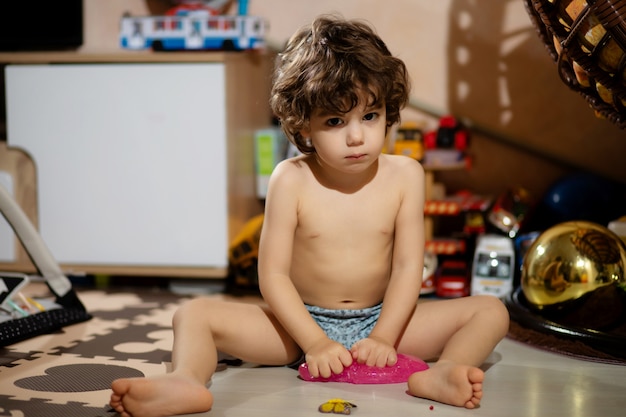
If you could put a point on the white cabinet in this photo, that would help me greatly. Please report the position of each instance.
(141, 167)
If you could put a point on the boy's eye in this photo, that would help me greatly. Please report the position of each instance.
(334, 121)
(370, 116)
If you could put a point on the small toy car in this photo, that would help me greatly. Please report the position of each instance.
(410, 141)
(453, 279)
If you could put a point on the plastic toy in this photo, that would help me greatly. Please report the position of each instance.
(243, 257)
(409, 141)
(453, 279)
(450, 135)
(193, 28)
(510, 209)
(494, 266)
(446, 146)
(336, 406)
(452, 205)
(363, 374)
(474, 223)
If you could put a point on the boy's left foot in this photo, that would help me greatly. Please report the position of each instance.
(449, 383)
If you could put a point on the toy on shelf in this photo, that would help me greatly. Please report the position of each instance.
(453, 279)
(409, 141)
(450, 135)
(363, 374)
(454, 204)
(270, 147)
(447, 145)
(194, 27)
(493, 267)
(474, 223)
(510, 210)
(445, 246)
(473, 206)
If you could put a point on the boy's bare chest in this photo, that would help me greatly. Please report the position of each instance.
(343, 217)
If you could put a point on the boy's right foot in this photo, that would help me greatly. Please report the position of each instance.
(161, 396)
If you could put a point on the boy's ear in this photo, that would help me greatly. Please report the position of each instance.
(305, 133)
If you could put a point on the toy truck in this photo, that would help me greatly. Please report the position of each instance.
(193, 28)
(493, 266)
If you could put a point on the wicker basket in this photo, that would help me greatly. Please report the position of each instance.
(587, 40)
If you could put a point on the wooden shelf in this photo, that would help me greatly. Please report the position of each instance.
(429, 170)
(445, 246)
(446, 167)
(246, 88)
(121, 56)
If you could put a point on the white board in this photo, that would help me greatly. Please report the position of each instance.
(130, 158)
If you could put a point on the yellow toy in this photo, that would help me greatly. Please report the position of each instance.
(336, 406)
(243, 257)
(410, 141)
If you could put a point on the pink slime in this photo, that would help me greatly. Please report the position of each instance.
(363, 374)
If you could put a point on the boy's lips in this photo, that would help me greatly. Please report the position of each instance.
(356, 156)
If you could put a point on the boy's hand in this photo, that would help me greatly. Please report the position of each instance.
(374, 352)
(327, 357)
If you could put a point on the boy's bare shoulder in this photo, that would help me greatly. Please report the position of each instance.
(403, 164)
(291, 171)
(293, 165)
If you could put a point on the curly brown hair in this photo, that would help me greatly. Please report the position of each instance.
(327, 66)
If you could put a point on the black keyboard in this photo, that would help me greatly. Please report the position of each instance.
(16, 330)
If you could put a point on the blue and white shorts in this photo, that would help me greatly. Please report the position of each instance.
(346, 326)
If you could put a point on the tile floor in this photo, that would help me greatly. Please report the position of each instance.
(521, 381)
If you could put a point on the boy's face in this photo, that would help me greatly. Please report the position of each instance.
(348, 142)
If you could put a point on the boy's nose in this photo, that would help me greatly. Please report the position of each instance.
(355, 136)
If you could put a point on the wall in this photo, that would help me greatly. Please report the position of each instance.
(480, 60)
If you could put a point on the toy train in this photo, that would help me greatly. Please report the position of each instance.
(193, 32)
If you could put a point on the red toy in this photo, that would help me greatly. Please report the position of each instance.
(450, 135)
(453, 279)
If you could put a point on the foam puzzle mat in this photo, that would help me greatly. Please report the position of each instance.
(69, 373)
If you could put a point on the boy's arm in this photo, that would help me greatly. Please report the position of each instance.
(275, 252)
(406, 274)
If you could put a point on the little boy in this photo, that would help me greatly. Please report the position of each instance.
(342, 246)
